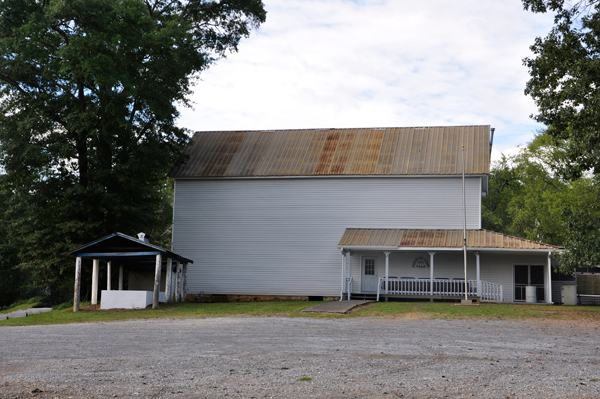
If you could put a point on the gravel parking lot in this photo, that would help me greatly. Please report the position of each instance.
(301, 358)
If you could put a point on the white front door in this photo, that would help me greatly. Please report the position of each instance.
(368, 279)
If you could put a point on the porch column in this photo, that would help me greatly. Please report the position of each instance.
(77, 287)
(156, 296)
(349, 266)
(343, 274)
(184, 282)
(108, 276)
(168, 287)
(477, 266)
(387, 271)
(548, 284)
(95, 267)
(431, 274)
(120, 277)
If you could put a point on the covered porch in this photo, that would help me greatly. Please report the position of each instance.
(403, 263)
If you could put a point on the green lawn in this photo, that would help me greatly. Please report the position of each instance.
(390, 310)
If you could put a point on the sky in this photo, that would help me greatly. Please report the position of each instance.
(377, 63)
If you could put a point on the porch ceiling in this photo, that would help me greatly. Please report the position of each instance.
(414, 239)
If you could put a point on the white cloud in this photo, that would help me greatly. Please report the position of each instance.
(334, 63)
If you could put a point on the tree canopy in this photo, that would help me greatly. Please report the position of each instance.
(528, 198)
(89, 91)
(565, 80)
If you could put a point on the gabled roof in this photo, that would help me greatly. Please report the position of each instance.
(338, 152)
(411, 239)
(126, 250)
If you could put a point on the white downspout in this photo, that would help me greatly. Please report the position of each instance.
(343, 274)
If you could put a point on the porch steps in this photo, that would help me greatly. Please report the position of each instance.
(365, 297)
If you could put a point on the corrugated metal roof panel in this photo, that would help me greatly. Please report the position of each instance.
(437, 239)
(352, 152)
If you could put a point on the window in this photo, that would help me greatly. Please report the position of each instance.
(369, 267)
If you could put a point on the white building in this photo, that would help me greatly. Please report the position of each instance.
(324, 212)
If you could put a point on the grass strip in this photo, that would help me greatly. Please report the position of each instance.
(389, 310)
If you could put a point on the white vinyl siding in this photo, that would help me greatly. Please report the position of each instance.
(280, 236)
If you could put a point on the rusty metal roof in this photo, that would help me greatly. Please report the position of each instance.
(415, 238)
(330, 152)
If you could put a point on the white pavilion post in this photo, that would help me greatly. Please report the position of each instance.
(108, 276)
(96, 266)
(77, 287)
(156, 296)
(431, 274)
(121, 278)
(180, 282)
(168, 282)
(177, 279)
(184, 282)
(478, 270)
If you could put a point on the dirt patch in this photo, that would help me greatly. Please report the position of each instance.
(96, 308)
(578, 323)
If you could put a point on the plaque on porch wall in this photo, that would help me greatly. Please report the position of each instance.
(420, 262)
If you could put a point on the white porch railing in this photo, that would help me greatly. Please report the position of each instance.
(490, 292)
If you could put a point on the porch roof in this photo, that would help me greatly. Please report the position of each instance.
(126, 250)
(417, 239)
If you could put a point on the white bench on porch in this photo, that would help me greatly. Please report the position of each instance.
(488, 292)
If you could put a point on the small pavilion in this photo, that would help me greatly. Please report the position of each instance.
(132, 254)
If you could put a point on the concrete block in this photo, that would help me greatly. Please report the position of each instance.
(3, 316)
(37, 311)
(128, 299)
(16, 314)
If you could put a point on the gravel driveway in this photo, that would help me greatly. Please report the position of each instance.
(301, 358)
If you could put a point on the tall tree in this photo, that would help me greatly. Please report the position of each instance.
(88, 97)
(529, 199)
(565, 80)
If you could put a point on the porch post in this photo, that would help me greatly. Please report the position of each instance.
(548, 284)
(387, 272)
(477, 265)
(168, 287)
(108, 276)
(431, 274)
(120, 277)
(349, 266)
(77, 284)
(156, 296)
(184, 282)
(95, 267)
